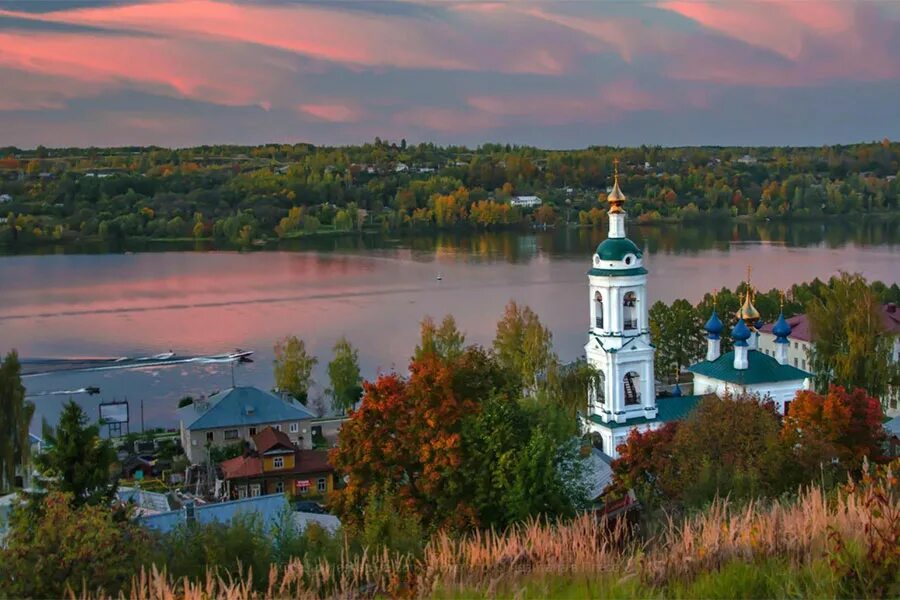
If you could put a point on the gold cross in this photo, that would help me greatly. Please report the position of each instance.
(616, 168)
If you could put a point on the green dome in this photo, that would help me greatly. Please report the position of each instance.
(617, 248)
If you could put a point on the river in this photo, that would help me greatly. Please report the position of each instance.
(372, 289)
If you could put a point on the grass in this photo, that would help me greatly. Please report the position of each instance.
(813, 546)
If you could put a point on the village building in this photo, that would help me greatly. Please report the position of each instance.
(277, 466)
(525, 201)
(237, 414)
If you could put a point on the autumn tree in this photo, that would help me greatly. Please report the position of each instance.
(852, 347)
(644, 464)
(343, 372)
(15, 418)
(841, 425)
(523, 345)
(677, 334)
(444, 341)
(66, 546)
(293, 367)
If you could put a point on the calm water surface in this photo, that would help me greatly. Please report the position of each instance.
(373, 290)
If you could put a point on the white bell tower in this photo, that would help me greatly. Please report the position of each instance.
(619, 337)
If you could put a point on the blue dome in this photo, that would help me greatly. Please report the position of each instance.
(714, 326)
(781, 329)
(759, 324)
(740, 334)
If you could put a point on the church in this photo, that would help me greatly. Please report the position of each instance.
(620, 349)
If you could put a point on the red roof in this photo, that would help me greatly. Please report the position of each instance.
(269, 438)
(305, 461)
(800, 329)
(241, 466)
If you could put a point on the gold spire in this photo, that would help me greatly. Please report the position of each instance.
(616, 197)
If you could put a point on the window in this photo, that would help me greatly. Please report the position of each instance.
(629, 304)
(231, 434)
(795, 345)
(252, 431)
(598, 310)
(303, 486)
(276, 427)
(278, 462)
(254, 490)
(600, 388)
(795, 361)
(209, 436)
(242, 491)
(295, 427)
(803, 363)
(279, 487)
(632, 388)
(322, 485)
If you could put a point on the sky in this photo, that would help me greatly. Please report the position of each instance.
(555, 74)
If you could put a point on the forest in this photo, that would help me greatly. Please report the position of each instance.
(240, 195)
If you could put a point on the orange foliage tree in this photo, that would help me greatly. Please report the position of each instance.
(838, 425)
(405, 439)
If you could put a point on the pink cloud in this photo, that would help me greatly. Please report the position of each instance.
(329, 34)
(332, 112)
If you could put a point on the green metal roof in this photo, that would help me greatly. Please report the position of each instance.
(617, 248)
(618, 272)
(761, 369)
(672, 408)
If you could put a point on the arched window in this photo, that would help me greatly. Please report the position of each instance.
(632, 383)
(599, 388)
(598, 310)
(597, 441)
(629, 306)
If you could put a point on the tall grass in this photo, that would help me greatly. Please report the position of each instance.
(845, 544)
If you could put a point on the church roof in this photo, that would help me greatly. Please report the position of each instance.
(668, 409)
(618, 272)
(761, 369)
(617, 248)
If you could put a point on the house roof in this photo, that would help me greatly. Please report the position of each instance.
(668, 409)
(268, 507)
(801, 330)
(893, 427)
(270, 438)
(760, 369)
(241, 406)
(305, 462)
(597, 473)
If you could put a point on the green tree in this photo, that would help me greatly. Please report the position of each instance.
(67, 547)
(677, 334)
(446, 342)
(15, 418)
(343, 371)
(293, 367)
(523, 345)
(851, 348)
(548, 478)
(78, 462)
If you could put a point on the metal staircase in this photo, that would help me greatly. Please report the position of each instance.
(631, 393)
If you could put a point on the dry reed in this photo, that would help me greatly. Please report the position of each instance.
(795, 532)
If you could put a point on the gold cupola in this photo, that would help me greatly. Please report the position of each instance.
(747, 312)
(616, 197)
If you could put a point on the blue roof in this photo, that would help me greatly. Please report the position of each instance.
(268, 507)
(740, 333)
(782, 328)
(242, 406)
(714, 326)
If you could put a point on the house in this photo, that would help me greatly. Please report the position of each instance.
(526, 201)
(747, 160)
(892, 428)
(5, 198)
(237, 414)
(401, 168)
(146, 503)
(798, 350)
(277, 467)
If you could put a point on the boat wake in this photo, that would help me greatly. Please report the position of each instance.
(45, 366)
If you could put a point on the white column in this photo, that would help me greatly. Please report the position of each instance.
(781, 353)
(617, 225)
(593, 305)
(648, 394)
(713, 349)
(740, 357)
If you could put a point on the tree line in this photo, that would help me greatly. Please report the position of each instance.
(239, 195)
